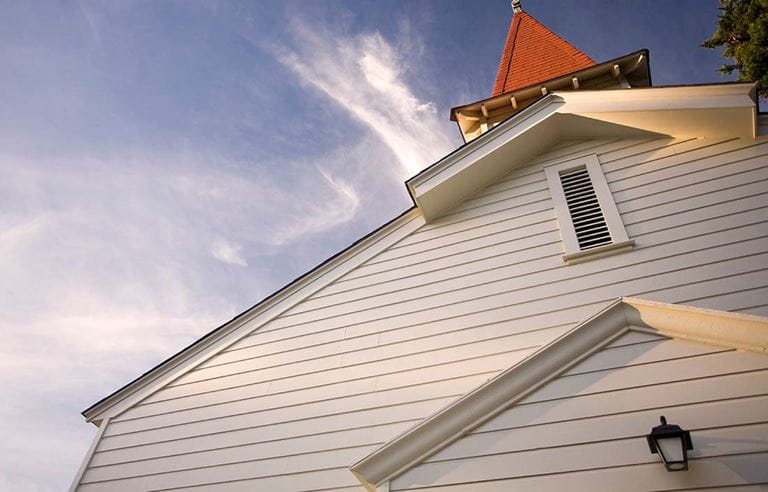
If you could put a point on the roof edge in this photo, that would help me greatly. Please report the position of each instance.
(553, 81)
(719, 328)
(294, 287)
(658, 110)
(454, 163)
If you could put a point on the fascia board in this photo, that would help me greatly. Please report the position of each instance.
(628, 63)
(720, 328)
(714, 111)
(444, 184)
(252, 319)
(704, 111)
(662, 98)
(466, 156)
(728, 122)
(619, 104)
(723, 329)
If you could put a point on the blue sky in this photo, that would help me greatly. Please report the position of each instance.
(164, 165)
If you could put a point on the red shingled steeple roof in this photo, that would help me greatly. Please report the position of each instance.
(534, 54)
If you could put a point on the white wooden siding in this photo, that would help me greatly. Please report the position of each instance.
(305, 395)
(595, 416)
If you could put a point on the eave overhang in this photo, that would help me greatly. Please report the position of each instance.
(718, 328)
(633, 67)
(717, 110)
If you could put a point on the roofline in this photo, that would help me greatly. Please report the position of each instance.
(521, 115)
(273, 299)
(643, 51)
(719, 328)
(717, 88)
(615, 107)
(619, 90)
(202, 342)
(672, 86)
(198, 344)
(451, 166)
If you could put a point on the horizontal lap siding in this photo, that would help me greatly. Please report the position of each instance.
(596, 416)
(632, 450)
(439, 313)
(710, 474)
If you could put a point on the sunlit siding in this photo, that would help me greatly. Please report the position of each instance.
(291, 406)
(586, 429)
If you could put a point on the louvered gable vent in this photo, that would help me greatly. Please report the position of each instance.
(590, 225)
(588, 220)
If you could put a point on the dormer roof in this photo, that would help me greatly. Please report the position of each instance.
(532, 53)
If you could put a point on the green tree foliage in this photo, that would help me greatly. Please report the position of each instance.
(742, 28)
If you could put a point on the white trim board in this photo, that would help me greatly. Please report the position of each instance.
(88, 455)
(719, 328)
(717, 111)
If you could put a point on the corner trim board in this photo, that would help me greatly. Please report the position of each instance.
(88, 455)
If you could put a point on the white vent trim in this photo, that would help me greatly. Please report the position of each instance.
(579, 186)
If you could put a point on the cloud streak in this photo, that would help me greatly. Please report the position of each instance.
(115, 257)
(228, 253)
(341, 207)
(367, 76)
(115, 263)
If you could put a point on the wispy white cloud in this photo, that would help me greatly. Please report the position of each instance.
(115, 263)
(15, 236)
(341, 207)
(228, 253)
(368, 77)
(110, 262)
(89, 16)
(55, 363)
(255, 209)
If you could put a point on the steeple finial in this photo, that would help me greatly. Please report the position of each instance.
(516, 7)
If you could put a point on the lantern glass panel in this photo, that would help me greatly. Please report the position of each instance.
(671, 448)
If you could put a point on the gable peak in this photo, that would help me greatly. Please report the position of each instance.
(532, 53)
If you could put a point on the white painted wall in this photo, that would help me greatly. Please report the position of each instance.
(586, 429)
(291, 406)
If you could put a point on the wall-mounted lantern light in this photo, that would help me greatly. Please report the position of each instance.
(671, 443)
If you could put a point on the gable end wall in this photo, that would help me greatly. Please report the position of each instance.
(292, 405)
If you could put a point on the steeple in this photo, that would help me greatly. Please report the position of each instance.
(532, 53)
(537, 62)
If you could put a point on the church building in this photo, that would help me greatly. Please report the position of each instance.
(576, 301)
